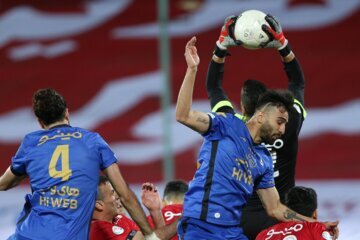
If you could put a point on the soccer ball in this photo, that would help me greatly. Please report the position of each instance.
(248, 29)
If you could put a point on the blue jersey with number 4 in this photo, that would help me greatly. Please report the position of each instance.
(231, 166)
(63, 166)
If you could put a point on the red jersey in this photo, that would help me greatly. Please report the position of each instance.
(170, 214)
(295, 231)
(122, 228)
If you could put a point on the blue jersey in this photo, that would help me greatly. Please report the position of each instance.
(231, 166)
(63, 166)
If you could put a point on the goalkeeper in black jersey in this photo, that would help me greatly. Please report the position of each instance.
(284, 150)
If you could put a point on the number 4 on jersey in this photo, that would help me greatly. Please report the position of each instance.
(61, 152)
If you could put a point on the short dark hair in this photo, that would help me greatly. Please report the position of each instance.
(49, 106)
(176, 188)
(276, 98)
(102, 181)
(302, 200)
(251, 91)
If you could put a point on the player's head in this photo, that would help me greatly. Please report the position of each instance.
(271, 113)
(105, 206)
(250, 93)
(174, 192)
(302, 200)
(49, 107)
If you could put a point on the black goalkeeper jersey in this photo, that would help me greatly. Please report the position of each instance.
(283, 151)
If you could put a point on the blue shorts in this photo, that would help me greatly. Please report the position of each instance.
(192, 228)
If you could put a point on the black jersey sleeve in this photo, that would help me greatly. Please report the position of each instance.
(296, 82)
(217, 96)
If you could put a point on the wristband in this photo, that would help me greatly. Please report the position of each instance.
(285, 50)
(220, 53)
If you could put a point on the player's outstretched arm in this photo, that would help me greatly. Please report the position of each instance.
(198, 121)
(9, 180)
(292, 67)
(274, 208)
(218, 100)
(150, 198)
(128, 198)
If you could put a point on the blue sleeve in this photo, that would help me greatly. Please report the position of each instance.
(18, 162)
(107, 156)
(267, 180)
(218, 126)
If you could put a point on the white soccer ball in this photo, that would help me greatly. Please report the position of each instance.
(248, 29)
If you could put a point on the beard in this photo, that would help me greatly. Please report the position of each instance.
(266, 134)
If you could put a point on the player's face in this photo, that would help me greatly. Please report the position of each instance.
(120, 208)
(109, 200)
(274, 124)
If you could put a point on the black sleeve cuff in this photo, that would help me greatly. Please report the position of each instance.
(15, 172)
(285, 51)
(220, 53)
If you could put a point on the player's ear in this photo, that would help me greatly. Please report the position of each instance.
(260, 117)
(315, 215)
(99, 205)
(67, 115)
(42, 125)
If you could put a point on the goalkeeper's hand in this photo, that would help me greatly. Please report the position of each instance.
(227, 38)
(275, 33)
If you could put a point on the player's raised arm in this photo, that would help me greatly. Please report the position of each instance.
(217, 96)
(291, 65)
(150, 198)
(198, 121)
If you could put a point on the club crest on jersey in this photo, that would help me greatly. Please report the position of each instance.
(117, 230)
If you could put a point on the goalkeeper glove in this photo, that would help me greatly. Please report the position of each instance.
(226, 38)
(276, 36)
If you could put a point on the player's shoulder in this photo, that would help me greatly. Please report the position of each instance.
(87, 134)
(173, 208)
(98, 224)
(319, 230)
(33, 137)
(316, 225)
(299, 109)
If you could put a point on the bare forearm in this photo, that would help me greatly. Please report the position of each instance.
(167, 231)
(8, 180)
(157, 218)
(184, 101)
(285, 214)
